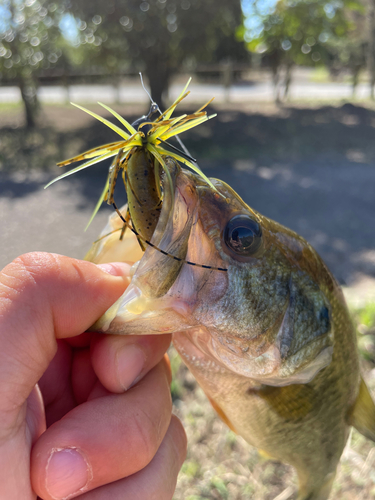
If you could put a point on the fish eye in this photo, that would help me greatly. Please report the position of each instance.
(243, 235)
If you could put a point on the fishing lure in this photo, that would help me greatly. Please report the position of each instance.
(144, 140)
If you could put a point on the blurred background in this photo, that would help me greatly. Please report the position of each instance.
(293, 82)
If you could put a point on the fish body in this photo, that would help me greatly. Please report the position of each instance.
(270, 339)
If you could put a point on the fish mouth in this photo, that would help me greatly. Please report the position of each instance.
(163, 289)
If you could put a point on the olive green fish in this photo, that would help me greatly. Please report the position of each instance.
(270, 339)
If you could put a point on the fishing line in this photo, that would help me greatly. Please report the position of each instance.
(185, 152)
(159, 249)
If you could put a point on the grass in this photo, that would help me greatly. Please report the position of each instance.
(320, 75)
(364, 318)
(5, 107)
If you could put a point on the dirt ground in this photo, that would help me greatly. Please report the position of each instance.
(310, 167)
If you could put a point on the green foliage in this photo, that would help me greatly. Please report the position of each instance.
(176, 386)
(191, 468)
(248, 490)
(30, 41)
(312, 32)
(158, 37)
(364, 318)
(231, 439)
(29, 33)
(301, 31)
(220, 486)
(366, 315)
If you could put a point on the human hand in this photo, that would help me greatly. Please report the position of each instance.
(82, 434)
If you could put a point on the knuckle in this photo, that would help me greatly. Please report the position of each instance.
(35, 264)
(29, 268)
(17, 276)
(22, 295)
(26, 272)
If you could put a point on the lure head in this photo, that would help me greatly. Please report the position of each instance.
(266, 317)
(144, 124)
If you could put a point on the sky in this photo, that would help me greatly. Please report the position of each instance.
(4, 17)
(253, 11)
(68, 27)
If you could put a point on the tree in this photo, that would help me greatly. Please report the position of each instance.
(306, 32)
(30, 41)
(348, 54)
(159, 37)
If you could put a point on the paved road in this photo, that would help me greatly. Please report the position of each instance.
(326, 203)
(52, 220)
(133, 92)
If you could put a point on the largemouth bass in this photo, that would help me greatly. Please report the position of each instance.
(269, 338)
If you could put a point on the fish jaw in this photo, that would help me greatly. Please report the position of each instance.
(201, 351)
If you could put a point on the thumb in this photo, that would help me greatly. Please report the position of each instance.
(44, 297)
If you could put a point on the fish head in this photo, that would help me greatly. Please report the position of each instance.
(238, 290)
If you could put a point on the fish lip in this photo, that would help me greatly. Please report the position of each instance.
(133, 314)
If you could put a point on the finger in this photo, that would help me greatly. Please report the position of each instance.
(120, 361)
(55, 384)
(83, 377)
(55, 379)
(99, 390)
(158, 479)
(103, 440)
(68, 381)
(44, 297)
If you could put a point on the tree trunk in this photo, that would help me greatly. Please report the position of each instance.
(227, 78)
(276, 83)
(275, 65)
(158, 73)
(287, 80)
(356, 70)
(30, 100)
